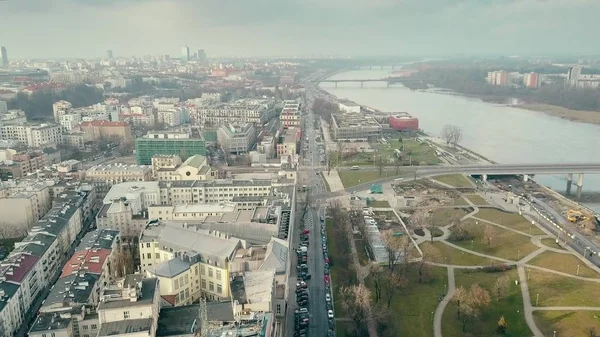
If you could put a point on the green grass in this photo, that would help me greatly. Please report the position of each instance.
(336, 269)
(551, 242)
(566, 263)
(353, 178)
(567, 323)
(557, 290)
(512, 220)
(505, 244)
(444, 216)
(455, 180)
(476, 199)
(442, 253)
(421, 153)
(412, 307)
(460, 201)
(510, 306)
(379, 204)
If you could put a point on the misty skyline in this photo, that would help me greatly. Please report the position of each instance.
(87, 28)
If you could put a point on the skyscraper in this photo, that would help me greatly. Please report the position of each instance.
(109, 54)
(185, 52)
(4, 57)
(201, 55)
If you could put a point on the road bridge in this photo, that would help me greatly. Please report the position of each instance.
(487, 170)
(387, 80)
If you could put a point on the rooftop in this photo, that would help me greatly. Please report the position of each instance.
(211, 245)
(16, 266)
(7, 290)
(89, 261)
(130, 190)
(104, 123)
(98, 239)
(170, 268)
(195, 161)
(50, 321)
(252, 287)
(113, 295)
(123, 327)
(277, 255)
(118, 167)
(76, 289)
(355, 120)
(214, 183)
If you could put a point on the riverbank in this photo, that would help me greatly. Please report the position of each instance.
(583, 116)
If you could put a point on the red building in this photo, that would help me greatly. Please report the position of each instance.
(401, 122)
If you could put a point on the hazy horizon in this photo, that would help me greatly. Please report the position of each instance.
(88, 28)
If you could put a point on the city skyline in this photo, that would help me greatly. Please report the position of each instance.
(288, 28)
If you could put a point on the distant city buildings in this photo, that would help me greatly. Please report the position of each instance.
(500, 78)
(33, 135)
(185, 53)
(109, 54)
(576, 79)
(255, 111)
(102, 129)
(532, 80)
(4, 57)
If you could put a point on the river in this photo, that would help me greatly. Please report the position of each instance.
(500, 133)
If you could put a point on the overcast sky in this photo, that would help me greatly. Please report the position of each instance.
(87, 28)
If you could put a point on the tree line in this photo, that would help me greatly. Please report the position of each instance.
(472, 82)
(38, 105)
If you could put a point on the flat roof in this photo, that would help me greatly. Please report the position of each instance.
(149, 288)
(252, 287)
(177, 321)
(118, 167)
(123, 327)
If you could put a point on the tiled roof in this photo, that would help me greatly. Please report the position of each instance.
(16, 267)
(90, 261)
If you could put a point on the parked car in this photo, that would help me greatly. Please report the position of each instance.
(330, 314)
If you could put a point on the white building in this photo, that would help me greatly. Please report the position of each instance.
(3, 107)
(349, 107)
(60, 108)
(70, 120)
(237, 139)
(33, 135)
(170, 117)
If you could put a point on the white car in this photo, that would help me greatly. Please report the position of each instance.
(327, 297)
(304, 311)
(330, 314)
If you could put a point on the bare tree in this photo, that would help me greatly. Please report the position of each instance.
(380, 162)
(451, 134)
(429, 255)
(488, 235)
(11, 230)
(305, 204)
(376, 273)
(398, 164)
(457, 135)
(393, 283)
(356, 301)
(501, 287)
(470, 303)
(392, 246)
(123, 263)
(446, 134)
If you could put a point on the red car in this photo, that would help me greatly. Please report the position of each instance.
(327, 260)
(326, 278)
(306, 231)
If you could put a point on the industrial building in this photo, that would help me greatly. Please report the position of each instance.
(168, 143)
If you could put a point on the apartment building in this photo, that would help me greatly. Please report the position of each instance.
(103, 176)
(61, 108)
(288, 142)
(36, 260)
(355, 127)
(500, 77)
(74, 139)
(348, 106)
(23, 163)
(170, 117)
(167, 143)
(102, 129)
(138, 119)
(290, 114)
(237, 138)
(69, 121)
(33, 135)
(201, 260)
(194, 168)
(215, 191)
(242, 111)
(12, 117)
(119, 215)
(3, 107)
(23, 204)
(130, 307)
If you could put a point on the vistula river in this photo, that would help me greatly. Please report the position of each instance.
(501, 133)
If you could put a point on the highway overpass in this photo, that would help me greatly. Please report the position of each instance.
(484, 171)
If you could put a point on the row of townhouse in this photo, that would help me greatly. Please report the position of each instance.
(35, 262)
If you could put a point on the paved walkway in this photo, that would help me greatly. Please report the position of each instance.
(522, 267)
(333, 180)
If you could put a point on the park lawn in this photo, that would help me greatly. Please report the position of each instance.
(558, 290)
(443, 216)
(436, 232)
(510, 306)
(476, 199)
(379, 204)
(455, 180)
(442, 253)
(413, 307)
(335, 270)
(460, 201)
(505, 244)
(566, 263)
(551, 242)
(567, 323)
(353, 178)
(421, 153)
(511, 220)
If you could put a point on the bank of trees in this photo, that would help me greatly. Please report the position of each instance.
(452, 134)
(471, 81)
(38, 105)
